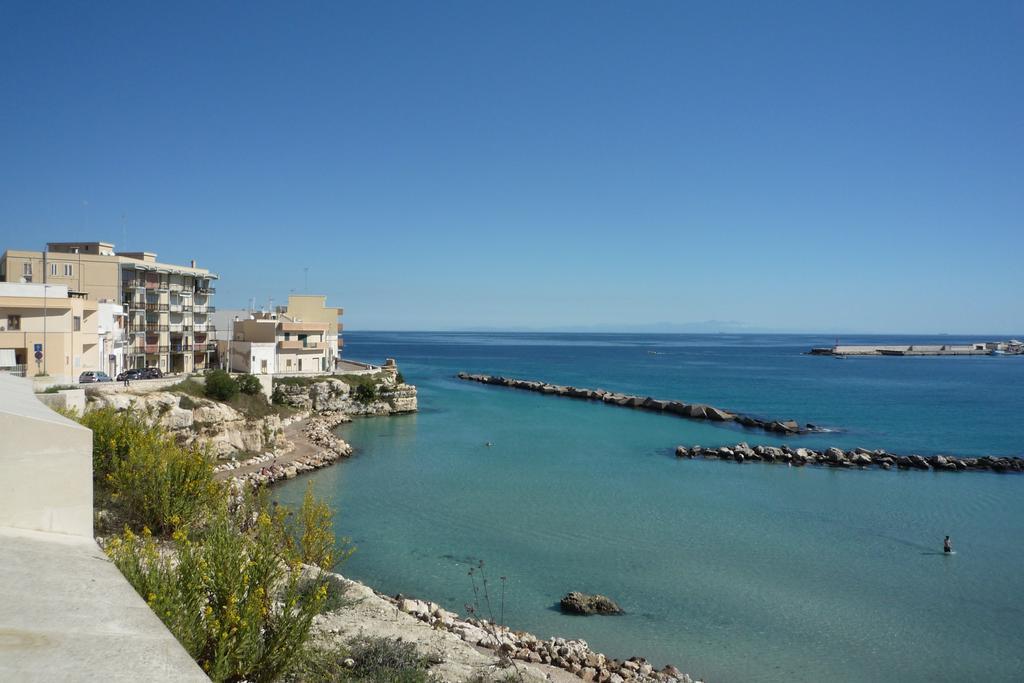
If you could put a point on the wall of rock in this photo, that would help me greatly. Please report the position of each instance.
(335, 395)
(227, 430)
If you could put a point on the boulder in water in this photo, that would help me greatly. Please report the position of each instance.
(583, 603)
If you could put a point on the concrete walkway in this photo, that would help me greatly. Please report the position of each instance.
(67, 614)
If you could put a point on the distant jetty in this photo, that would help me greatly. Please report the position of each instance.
(1012, 347)
(856, 458)
(693, 411)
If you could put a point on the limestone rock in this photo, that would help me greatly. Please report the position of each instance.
(583, 603)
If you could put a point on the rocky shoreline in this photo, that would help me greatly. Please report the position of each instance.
(857, 457)
(318, 431)
(693, 411)
(520, 651)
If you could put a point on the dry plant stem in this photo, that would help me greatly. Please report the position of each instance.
(489, 626)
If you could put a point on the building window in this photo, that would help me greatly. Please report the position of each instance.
(26, 268)
(69, 270)
(289, 362)
(53, 269)
(14, 322)
(300, 365)
(78, 323)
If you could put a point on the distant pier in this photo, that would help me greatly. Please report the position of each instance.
(1003, 348)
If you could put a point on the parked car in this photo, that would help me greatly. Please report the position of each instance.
(151, 373)
(93, 376)
(133, 373)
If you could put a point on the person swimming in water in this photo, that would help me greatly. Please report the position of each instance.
(947, 545)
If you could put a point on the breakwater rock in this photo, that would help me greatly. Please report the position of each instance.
(572, 655)
(858, 457)
(693, 411)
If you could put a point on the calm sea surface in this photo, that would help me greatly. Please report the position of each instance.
(733, 572)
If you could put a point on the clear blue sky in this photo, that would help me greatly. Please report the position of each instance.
(819, 166)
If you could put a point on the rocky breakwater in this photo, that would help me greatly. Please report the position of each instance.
(191, 419)
(572, 655)
(693, 411)
(856, 458)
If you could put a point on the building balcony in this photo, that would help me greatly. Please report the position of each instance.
(176, 308)
(181, 348)
(156, 308)
(296, 345)
(199, 327)
(152, 329)
(152, 285)
(202, 289)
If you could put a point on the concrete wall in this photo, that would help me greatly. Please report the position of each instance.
(65, 399)
(46, 463)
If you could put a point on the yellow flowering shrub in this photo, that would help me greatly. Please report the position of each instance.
(225, 593)
(143, 472)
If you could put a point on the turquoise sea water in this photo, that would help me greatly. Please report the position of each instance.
(747, 572)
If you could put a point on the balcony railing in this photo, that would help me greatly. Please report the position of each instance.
(154, 308)
(156, 328)
(205, 290)
(298, 345)
(200, 327)
(181, 348)
(152, 284)
(176, 308)
(199, 308)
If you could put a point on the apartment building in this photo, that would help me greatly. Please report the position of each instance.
(272, 343)
(314, 309)
(47, 330)
(166, 307)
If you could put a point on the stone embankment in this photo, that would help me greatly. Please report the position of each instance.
(574, 656)
(693, 411)
(858, 457)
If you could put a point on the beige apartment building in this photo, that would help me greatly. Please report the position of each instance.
(167, 307)
(51, 322)
(313, 308)
(271, 343)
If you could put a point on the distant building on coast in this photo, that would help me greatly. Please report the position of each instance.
(165, 308)
(275, 343)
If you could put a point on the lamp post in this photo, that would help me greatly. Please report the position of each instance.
(45, 316)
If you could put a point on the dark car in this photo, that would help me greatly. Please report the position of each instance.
(92, 376)
(133, 373)
(151, 373)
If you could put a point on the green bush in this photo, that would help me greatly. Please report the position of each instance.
(142, 471)
(229, 597)
(187, 403)
(337, 588)
(399, 378)
(365, 393)
(221, 386)
(249, 384)
(377, 660)
(311, 534)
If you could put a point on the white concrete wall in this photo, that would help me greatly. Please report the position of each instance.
(45, 465)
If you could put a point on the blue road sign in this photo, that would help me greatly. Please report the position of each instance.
(38, 348)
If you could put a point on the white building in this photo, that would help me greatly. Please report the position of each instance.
(111, 330)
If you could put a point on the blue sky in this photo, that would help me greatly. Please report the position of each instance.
(792, 166)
